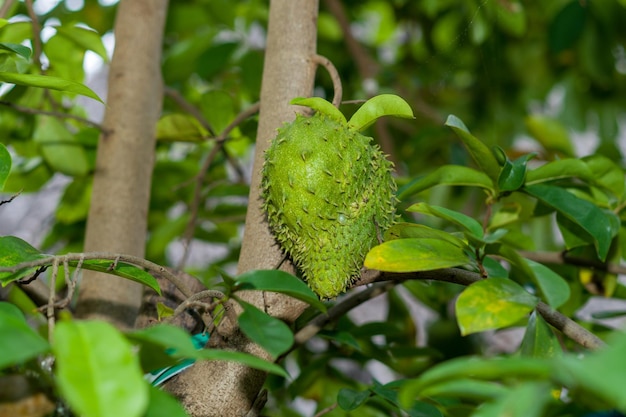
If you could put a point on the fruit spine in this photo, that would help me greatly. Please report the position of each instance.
(328, 195)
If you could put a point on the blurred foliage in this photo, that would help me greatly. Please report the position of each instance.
(547, 77)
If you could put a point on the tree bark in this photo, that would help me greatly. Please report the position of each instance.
(226, 388)
(117, 219)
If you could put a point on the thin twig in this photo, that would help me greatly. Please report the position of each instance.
(135, 260)
(37, 48)
(189, 108)
(195, 205)
(4, 9)
(567, 326)
(563, 258)
(10, 198)
(51, 295)
(341, 308)
(206, 165)
(334, 76)
(326, 410)
(60, 115)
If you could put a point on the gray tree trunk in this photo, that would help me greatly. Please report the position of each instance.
(121, 190)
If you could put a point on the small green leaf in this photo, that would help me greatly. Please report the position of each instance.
(559, 169)
(85, 38)
(550, 133)
(320, 105)
(607, 174)
(349, 399)
(539, 340)
(481, 154)
(123, 270)
(5, 165)
(19, 343)
(410, 230)
(588, 216)
(467, 389)
(379, 106)
(243, 358)
(14, 251)
(513, 173)
(180, 128)
(470, 225)
(60, 148)
(279, 281)
(415, 254)
(476, 368)
(553, 287)
(97, 371)
(524, 400)
(447, 175)
(45, 81)
(167, 336)
(492, 304)
(270, 333)
(162, 404)
(17, 49)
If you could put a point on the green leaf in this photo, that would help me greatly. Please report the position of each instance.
(513, 173)
(60, 148)
(415, 254)
(14, 251)
(598, 223)
(243, 358)
(601, 373)
(17, 49)
(492, 304)
(511, 18)
(559, 169)
(321, 106)
(5, 165)
(481, 154)
(607, 174)
(270, 333)
(53, 83)
(167, 336)
(162, 404)
(447, 175)
(539, 340)
(524, 400)
(470, 225)
(97, 371)
(476, 368)
(279, 281)
(349, 399)
(550, 133)
(122, 270)
(180, 128)
(554, 288)
(19, 343)
(379, 106)
(414, 230)
(465, 388)
(85, 38)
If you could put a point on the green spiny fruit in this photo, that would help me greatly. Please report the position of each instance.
(328, 194)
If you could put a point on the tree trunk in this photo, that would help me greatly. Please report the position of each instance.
(226, 388)
(121, 190)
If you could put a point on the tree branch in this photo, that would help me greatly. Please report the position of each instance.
(567, 326)
(563, 258)
(81, 257)
(334, 76)
(59, 115)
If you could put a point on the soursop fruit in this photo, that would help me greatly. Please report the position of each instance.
(328, 195)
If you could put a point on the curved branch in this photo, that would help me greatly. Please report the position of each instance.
(334, 76)
(563, 258)
(28, 110)
(81, 257)
(564, 324)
